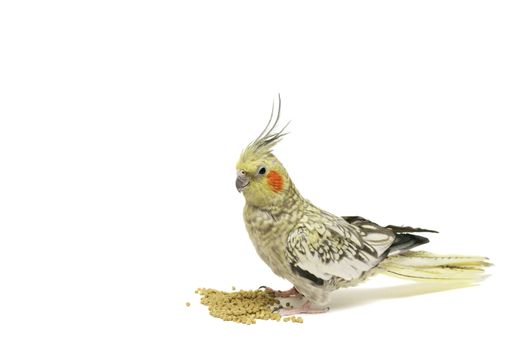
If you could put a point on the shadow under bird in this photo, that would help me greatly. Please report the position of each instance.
(319, 252)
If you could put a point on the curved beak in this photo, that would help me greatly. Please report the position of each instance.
(242, 181)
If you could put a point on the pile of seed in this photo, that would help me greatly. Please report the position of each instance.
(244, 306)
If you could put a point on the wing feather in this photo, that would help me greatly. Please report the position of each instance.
(332, 247)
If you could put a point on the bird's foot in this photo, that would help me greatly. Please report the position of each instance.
(306, 308)
(291, 293)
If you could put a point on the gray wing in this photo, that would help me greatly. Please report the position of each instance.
(404, 240)
(324, 246)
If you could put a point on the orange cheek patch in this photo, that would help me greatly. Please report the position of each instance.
(275, 181)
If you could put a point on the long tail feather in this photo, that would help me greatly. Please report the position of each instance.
(429, 267)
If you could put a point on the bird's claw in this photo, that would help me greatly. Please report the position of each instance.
(306, 308)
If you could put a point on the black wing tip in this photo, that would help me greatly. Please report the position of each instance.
(404, 237)
(421, 239)
(396, 229)
(406, 241)
(404, 229)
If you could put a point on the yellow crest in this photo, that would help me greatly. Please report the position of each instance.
(268, 138)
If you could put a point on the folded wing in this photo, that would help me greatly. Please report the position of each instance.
(325, 246)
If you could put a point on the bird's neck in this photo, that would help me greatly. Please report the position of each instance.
(291, 200)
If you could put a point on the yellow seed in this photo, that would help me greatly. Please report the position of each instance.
(187, 304)
(243, 306)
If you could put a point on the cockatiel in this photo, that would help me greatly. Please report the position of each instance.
(319, 252)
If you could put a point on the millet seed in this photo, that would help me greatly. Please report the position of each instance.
(242, 306)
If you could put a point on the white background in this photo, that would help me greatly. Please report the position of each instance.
(121, 123)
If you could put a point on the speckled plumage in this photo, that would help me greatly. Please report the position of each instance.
(297, 234)
(319, 252)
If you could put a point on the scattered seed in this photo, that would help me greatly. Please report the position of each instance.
(242, 306)
(297, 319)
(188, 304)
(293, 319)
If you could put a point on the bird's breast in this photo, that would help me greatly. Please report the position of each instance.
(268, 233)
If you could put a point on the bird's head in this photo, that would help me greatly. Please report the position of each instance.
(260, 176)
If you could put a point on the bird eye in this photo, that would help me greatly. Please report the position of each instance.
(262, 170)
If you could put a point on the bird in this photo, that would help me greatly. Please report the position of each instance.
(320, 252)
